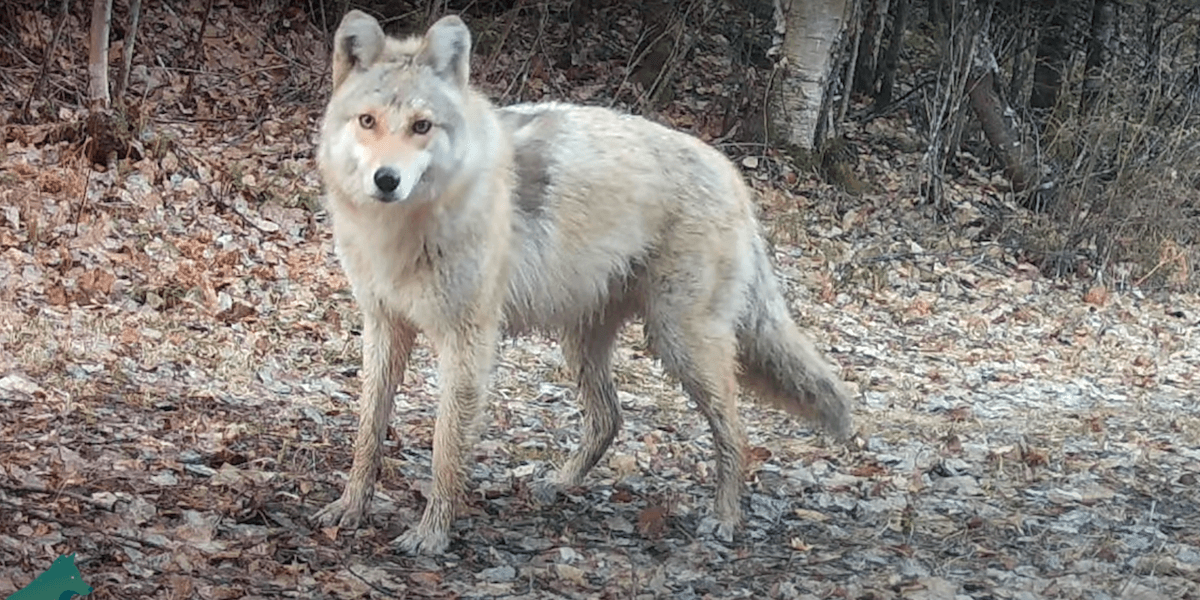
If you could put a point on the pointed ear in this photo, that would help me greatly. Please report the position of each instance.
(447, 50)
(356, 45)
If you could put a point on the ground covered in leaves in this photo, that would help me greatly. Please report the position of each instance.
(179, 361)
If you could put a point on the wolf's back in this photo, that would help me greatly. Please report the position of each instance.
(600, 195)
(605, 192)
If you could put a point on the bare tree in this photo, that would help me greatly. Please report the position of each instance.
(969, 76)
(98, 54)
(891, 56)
(1054, 47)
(668, 37)
(997, 119)
(135, 14)
(1021, 40)
(1104, 17)
(869, 42)
(811, 31)
(1152, 36)
(956, 26)
(108, 135)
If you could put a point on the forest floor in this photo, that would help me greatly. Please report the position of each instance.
(179, 363)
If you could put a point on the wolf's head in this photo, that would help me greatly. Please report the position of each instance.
(396, 121)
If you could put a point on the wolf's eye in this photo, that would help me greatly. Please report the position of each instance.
(421, 126)
(367, 121)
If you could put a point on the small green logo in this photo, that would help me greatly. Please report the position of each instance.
(60, 582)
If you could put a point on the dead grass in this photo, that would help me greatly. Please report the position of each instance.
(1128, 205)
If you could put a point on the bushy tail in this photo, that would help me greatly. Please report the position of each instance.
(780, 365)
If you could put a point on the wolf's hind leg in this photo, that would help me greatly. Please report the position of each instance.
(699, 349)
(387, 344)
(588, 350)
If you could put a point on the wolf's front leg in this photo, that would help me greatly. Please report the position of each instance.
(465, 359)
(387, 344)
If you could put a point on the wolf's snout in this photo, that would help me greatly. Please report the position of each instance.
(387, 180)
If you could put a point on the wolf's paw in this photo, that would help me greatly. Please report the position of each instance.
(724, 532)
(720, 530)
(419, 540)
(545, 491)
(344, 513)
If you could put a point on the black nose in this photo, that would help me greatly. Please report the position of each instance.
(387, 180)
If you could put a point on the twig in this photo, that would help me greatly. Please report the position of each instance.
(83, 197)
(382, 590)
(1171, 254)
(636, 59)
(523, 72)
(633, 576)
(29, 489)
(199, 44)
(37, 83)
(69, 522)
(516, 12)
(135, 15)
(886, 109)
(667, 71)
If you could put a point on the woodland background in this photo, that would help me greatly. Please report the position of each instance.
(986, 214)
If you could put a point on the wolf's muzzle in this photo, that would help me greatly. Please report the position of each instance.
(387, 180)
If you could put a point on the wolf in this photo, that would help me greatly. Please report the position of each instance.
(468, 222)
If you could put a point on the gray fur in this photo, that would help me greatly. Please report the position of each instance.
(448, 50)
(359, 41)
(533, 159)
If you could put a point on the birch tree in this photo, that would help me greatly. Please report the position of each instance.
(810, 31)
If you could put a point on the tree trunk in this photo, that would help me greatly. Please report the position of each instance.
(1053, 47)
(959, 40)
(891, 57)
(1152, 37)
(869, 41)
(812, 29)
(1104, 18)
(939, 12)
(854, 31)
(98, 55)
(1020, 55)
(996, 118)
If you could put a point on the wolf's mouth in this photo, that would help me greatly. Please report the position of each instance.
(385, 198)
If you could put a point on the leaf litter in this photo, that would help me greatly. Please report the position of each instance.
(179, 358)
